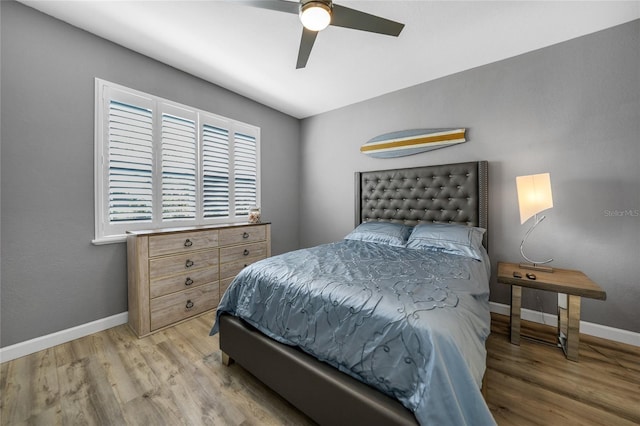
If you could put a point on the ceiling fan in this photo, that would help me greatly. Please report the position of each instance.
(316, 15)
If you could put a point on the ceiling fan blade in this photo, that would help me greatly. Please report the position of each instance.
(278, 5)
(306, 43)
(354, 19)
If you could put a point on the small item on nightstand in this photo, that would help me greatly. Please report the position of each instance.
(531, 276)
(517, 274)
(254, 215)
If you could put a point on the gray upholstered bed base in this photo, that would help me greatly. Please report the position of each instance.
(323, 393)
(452, 193)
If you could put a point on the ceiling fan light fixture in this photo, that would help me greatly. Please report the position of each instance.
(315, 15)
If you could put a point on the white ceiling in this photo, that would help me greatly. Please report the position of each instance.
(253, 51)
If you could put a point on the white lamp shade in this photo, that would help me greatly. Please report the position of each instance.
(315, 16)
(534, 195)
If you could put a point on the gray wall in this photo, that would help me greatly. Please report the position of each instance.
(53, 278)
(572, 110)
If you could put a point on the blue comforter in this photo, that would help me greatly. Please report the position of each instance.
(411, 323)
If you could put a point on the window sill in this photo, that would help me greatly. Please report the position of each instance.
(109, 240)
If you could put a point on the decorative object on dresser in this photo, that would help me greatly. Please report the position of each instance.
(575, 284)
(177, 273)
(409, 142)
(534, 196)
(254, 214)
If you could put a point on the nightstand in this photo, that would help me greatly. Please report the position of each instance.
(574, 284)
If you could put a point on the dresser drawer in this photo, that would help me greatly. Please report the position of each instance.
(245, 234)
(244, 251)
(182, 242)
(191, 279)
(231, 269)
(172, 265)
(175, 307)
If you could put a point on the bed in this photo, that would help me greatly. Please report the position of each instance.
(366, 330)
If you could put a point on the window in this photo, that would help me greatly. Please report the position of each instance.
(159, 163)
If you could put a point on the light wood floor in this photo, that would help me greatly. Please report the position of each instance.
(175, 377)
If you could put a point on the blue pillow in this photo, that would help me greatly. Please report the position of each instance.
(449, 238)
(393, 234)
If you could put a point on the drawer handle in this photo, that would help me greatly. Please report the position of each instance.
(246, 252)
(188, 243)
(245, 235)
(189, 263)
(188, 281)
(189, 304)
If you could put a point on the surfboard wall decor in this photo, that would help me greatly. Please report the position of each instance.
(409, 142)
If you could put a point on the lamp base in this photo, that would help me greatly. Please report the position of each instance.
(536, 267)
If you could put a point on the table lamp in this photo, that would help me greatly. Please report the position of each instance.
(534, 196)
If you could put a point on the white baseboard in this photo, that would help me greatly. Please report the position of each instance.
(597, 330)
(44, 342)
(50, 340)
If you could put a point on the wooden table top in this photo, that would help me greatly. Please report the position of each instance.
(565, 281)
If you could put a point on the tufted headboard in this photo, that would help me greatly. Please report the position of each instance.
(449, 193)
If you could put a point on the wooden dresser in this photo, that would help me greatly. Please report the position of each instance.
(177, 273)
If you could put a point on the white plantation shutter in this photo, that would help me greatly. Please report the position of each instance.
(179, 165)
(246, 173)
(159, 163)
(215, 176)
(130, 162)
